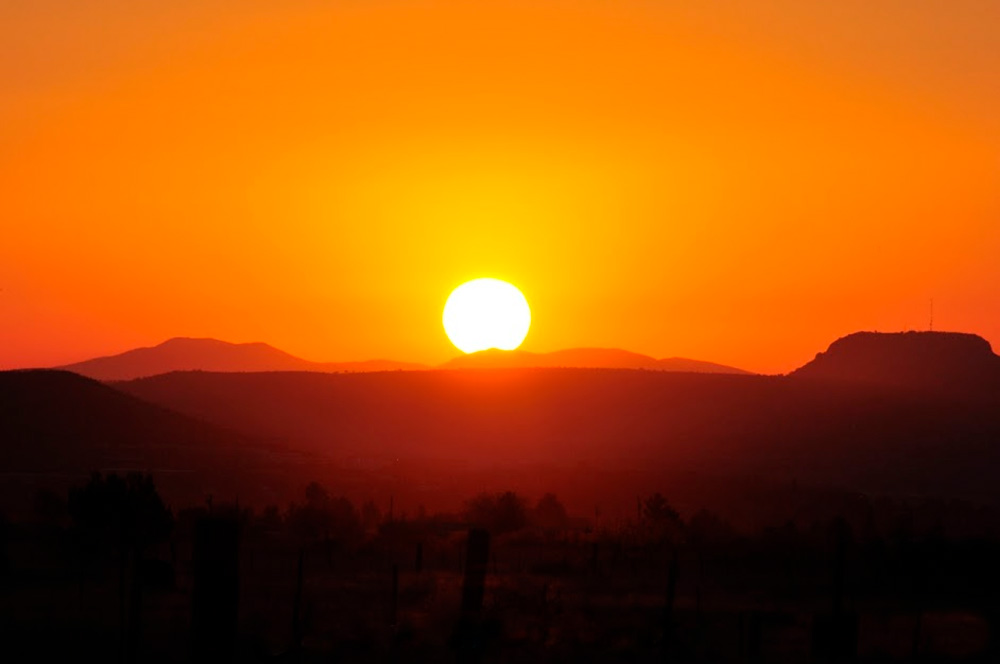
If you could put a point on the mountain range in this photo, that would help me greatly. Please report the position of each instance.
(914, 414)
(583, 358)
(186, 354)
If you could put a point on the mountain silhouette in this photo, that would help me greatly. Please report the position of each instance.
(589, 358)
(186, 354)
(56, 427)
(924, 360)
(591, 434)
(860, 437)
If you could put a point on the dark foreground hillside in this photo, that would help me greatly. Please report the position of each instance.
(869, 438)
(57, 427)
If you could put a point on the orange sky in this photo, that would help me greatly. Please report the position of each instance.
(738, 181)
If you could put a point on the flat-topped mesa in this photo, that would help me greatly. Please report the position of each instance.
(919, 359)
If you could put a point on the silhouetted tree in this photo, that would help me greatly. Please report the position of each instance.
(270, 518)
(511, 512)
(498, 513)
(323, 516)
(127, 512)
(707, 528)
(316, 495)
(549, 513)
(370, 515)
(662, 519)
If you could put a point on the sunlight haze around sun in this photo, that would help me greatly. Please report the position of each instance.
(320, 175)
(486, 313)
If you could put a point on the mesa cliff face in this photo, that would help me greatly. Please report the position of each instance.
(947, 360)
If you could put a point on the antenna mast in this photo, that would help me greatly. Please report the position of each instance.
(931, 326)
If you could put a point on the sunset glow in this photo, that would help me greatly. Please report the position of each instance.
(316, 175)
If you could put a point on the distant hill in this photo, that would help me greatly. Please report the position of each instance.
(185, 354)
(56, 427)
(589, 358)
(927, 360)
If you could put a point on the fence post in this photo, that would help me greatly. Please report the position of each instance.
(215, 595)
(468, 635)
(394, 612)
(668, 613)
(297, 607)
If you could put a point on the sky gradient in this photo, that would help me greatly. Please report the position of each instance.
(740, 182)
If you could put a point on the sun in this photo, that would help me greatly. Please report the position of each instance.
(486, 313)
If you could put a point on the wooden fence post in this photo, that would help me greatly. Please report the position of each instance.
(215, 595)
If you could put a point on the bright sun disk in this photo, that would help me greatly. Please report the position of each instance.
(486, 313)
